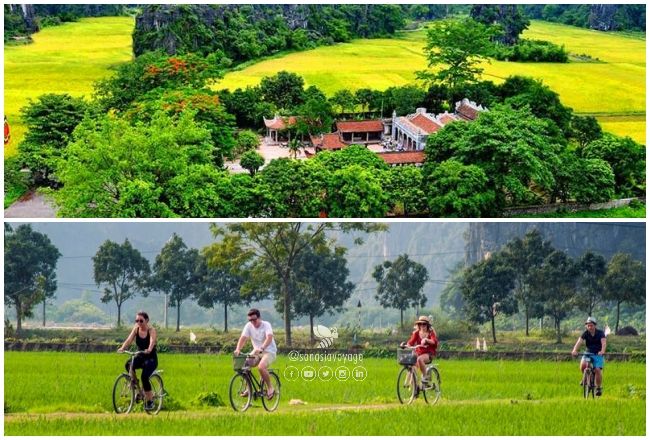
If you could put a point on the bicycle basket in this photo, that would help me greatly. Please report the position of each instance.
(238, 362)
(406, 356)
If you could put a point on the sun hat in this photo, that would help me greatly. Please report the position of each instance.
(423, 320)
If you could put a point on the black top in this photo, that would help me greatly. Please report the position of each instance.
(143, 344)
(593, 342)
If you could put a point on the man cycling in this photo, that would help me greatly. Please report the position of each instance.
(264, 349)
(596, 342)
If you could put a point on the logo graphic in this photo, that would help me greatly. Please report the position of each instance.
(309, 373)
(291, 373)
(359, 373)
(327, 336)
(325, 373)
(342, 373)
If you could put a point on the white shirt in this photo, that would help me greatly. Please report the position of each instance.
(258, 336)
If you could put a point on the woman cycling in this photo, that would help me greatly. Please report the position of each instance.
(145, 338)
(425, 341)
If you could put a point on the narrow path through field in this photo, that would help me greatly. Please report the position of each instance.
(307, 408)
(31, 205)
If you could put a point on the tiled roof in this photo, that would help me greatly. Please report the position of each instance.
(403, 157)
(468, 110)
(330, 141)
(280, 122)
(446, 118)
(359, 126)
(425, 124)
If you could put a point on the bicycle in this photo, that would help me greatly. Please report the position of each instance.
(127, 390)
(244, 386)
(408, 388)
(589, 378)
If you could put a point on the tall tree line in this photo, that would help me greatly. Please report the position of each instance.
(530, 275)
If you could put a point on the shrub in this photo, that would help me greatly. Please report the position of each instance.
(531, 51)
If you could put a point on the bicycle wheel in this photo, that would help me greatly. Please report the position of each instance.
(433, 391)
(406, 385)
(158, 391)
(586, 382)
(123, 394)
(241, 392)
(272, 403)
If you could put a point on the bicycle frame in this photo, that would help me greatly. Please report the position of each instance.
(589, 374)
(135, 383)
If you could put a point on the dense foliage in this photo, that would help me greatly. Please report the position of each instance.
(530, 273)
(622, 17)
(30, 261)
(50, 122)
(23, 20)
(537, 51)
(246, 32)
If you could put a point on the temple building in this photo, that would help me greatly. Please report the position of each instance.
(411, 131)
(277, 128)
(360, 132)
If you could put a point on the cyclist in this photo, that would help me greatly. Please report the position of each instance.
(596, 342)
(264, 349)
(425, 341)
(145, 339)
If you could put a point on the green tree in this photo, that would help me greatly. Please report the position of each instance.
(298, 187)
(345, 100)
(524, 256)
(404, 189)
(50, 121)
(400, 284)
(247, 105)
(364, 98)
(219, 285)
(115, 169)
(176, 273)
(586, 129)
(156, 71)
(204, 105)
(487, 289)
(355, 191)
(266, 253)
(403, 100)
(30, 270)
(592, 268)
(516, 151)
(316, 117)
(456, 190)
(285, 90)
(592, 181)
(554, 286)
(321, 284)
(246, 140)
(521, 91)
(627, 159)
(455, 48)
(510, 20)
(251, 161)
(123, 269)
(451, 298)
(352, 155)
(624, 282)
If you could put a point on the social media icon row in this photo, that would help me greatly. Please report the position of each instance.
(325, 373)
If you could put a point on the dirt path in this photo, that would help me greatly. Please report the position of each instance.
(185, 414)
(31, 205)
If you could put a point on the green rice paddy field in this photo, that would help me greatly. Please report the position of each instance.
(611, 88)
(71, 57)
(69, 394)
(62, 59)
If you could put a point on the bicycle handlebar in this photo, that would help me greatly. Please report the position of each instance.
(133, 353)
